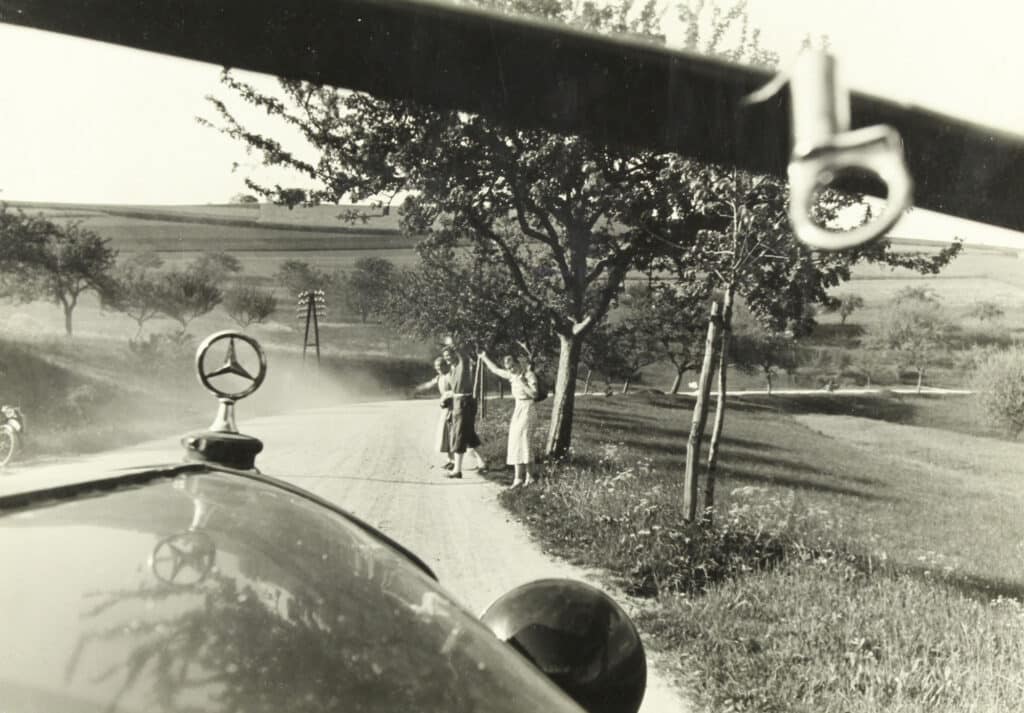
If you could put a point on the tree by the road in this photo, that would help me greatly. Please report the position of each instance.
(871, 362)
(913, 331)
(999, 383)
(368, 285)
(185, 295)
(629, 348)
(765, 352)
(23, 239)
(673, 317)
(137, 289)
(587, 214)
(249, 305)
(59, 264)
(297, 276)
(216, 266)
(846, 305)
(467, 296)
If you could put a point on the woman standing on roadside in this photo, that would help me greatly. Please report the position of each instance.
(441, 381)
(523, 384)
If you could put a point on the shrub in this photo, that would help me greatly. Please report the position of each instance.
(595, 506)
(249, 305)
(999, 382)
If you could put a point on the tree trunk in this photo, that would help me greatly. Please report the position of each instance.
(68, 309)
(625, 385)
(768, 377)
(920, 377)
(564, 400)
(700, 416)
(716, 431)
(676, 382)
(586, 385)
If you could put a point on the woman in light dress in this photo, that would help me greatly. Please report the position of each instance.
(523, 384)
(441, 381)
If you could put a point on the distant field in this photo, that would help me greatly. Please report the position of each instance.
(191, 229)
(976, 275)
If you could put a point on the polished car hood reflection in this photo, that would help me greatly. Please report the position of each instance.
(215, 592)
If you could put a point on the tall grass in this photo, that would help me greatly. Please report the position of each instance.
(821, 635)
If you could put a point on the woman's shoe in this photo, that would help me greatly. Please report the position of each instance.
(516, 484)
(456, 474)
(449, 465)
(528, 481)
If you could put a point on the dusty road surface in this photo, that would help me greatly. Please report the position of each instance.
(375, 460)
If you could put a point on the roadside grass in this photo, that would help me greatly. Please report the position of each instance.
(821, 635)
(835, 577)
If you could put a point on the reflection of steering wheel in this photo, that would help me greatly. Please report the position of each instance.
(183, 559)
(231, 365)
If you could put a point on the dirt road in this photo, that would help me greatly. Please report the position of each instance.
(375, 460)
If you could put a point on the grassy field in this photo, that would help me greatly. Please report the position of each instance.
(975, 275)
(845, 572)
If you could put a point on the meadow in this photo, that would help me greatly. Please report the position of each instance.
(848, 568)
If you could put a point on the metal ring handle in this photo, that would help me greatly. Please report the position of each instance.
(874, 149)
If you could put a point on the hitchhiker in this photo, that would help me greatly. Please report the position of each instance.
(443, 438)
(523, 383)
(463, 423)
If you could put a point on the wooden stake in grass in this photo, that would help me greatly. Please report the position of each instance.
(480, 389)
(716, 430)
(700, 415)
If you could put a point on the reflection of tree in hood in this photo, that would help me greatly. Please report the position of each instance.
(235, 650)
(298, 613)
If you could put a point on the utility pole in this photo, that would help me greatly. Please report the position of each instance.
(312, 306)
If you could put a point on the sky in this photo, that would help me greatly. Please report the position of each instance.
(84, 122)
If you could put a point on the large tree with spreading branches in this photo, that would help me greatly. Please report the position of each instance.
(468, 295)
(585, 214)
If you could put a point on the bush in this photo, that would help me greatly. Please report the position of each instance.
(249, 305)
(999, 382)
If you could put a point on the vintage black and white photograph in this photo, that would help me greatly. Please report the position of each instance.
(604, 356)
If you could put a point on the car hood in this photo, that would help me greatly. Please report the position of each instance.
(214, 592)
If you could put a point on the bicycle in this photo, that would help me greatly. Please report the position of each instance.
(12, 433)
